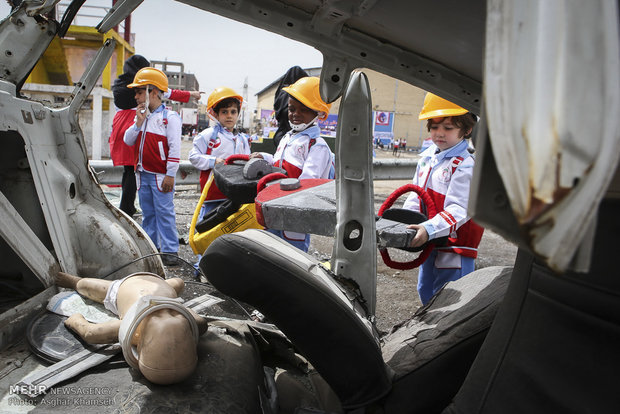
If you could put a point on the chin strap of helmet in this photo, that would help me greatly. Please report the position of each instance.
(430, 209)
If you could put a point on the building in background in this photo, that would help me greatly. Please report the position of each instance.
(178, 79)
(395, 105)
(64, 62)
(193, 114)
(264, 122)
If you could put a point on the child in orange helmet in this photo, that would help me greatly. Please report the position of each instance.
(157, 134)
(445, 171)
(302, 152)
(216, 143)
(125, 103)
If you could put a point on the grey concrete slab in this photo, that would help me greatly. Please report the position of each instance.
(393, 234)
(307, 211)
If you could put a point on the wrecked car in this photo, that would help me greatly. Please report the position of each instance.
(540, 336)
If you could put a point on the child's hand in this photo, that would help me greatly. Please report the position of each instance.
(256, 155)
(421, 236)
(141, 113)
(167, 184)
(76, 322)
(195, 94)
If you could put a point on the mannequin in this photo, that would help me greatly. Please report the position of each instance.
(162, 345)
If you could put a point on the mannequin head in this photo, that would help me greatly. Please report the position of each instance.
(158, 335)
(166, 347)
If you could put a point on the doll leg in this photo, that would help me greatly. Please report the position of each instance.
(66, 280)
(200, 321)
(177, 284)
(94, 333)
(92, 288)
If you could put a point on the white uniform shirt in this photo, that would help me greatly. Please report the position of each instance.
(216, 142)
(446, 176)
(301, 159)
(160, 143)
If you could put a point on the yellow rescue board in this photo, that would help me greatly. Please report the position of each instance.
(242, 219)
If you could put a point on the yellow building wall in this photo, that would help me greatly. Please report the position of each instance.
(389, 95)
(405, 100)
(66, 60)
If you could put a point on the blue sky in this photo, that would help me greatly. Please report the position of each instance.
(219, 51)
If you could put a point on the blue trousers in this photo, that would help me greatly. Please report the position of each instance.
(204, 210)
(302, 245)
(431, 279)
(158, 216)
(207, 207)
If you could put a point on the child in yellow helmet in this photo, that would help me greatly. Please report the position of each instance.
(218, 142)
(302, 152)
(445, 171)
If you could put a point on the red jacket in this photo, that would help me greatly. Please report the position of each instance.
(121, 153)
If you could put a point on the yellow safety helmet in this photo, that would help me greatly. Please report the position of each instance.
(150, 76)
(437, 107)
(221, 93)
(306, 91)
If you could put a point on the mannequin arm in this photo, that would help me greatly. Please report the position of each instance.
(202, 322)
(94, 333)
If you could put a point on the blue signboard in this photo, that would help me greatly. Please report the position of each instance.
(383, 126)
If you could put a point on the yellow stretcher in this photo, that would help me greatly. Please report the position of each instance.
(244, 218)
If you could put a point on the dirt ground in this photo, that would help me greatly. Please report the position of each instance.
(397, 298)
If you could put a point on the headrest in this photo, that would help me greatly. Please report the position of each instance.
(302, 299)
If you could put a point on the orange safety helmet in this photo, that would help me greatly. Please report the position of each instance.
(306, 91)
(150, 76)
(437, 107)
(221, 93)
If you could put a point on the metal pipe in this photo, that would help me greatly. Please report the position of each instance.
(383, 169)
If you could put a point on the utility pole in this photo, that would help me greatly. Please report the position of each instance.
(245, 101)
(394, 108)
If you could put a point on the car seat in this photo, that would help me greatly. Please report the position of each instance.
(554, 344)
(325, 319)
